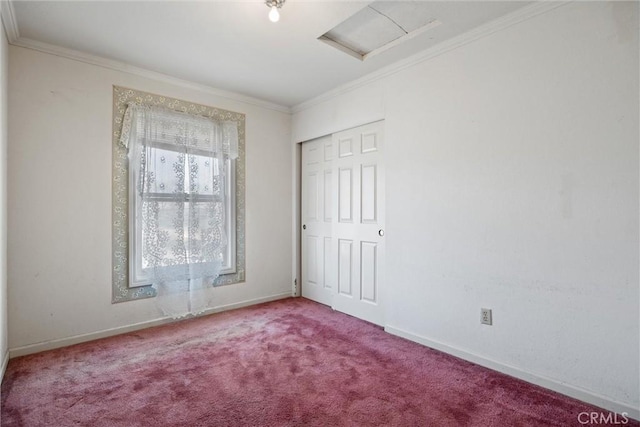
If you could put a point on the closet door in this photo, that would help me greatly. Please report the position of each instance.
(343, 221)
(318, 277)
(358, 226)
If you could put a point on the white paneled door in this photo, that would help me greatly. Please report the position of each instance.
(317, 211)
(343, 217)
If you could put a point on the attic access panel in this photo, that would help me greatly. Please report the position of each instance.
(380, 26)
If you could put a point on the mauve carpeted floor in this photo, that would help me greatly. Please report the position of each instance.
(286, 363)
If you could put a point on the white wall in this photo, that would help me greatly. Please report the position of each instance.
(4, 345)
(512, 184)
(59, 216)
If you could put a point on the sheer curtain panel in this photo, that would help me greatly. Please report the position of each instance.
(177, 203)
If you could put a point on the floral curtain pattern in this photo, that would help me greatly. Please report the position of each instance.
(177, 173)
(122, 97)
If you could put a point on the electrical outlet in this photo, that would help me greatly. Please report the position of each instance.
(485, 316)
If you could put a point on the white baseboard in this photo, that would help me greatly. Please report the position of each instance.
(5, 361)
(77, 339)
(248, 303)
(548, 383)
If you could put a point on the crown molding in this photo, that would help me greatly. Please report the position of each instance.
(13, 37)
(9, 20)
(477, 33)
(153, 75)
(520, 15)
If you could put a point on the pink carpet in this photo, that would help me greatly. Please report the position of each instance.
(287, 363)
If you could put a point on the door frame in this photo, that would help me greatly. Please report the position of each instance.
(296, 266)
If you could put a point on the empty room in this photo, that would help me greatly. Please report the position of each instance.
(319, 213)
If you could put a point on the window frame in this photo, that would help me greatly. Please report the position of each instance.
(137, 275)
(121, 217)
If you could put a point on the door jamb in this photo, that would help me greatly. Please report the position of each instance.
(297, 220)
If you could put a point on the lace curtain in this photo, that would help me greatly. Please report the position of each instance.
(177, 168)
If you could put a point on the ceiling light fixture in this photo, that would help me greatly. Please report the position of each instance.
(274, 15)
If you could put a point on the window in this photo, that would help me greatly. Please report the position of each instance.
(206, 178)
(177, 198)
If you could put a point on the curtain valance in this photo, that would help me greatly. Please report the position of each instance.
(192, 132)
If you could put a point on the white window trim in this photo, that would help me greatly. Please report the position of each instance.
(230, 266)
(137, 277)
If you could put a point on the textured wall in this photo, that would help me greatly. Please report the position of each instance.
(60, 112)
(512, 183)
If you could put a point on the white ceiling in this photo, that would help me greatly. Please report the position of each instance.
(232, 45)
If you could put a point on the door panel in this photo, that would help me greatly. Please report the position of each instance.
(368, 271)
(328, 197)
(312, 196)
(346, 146)
(312, 260)
(327, 261)
(317, 215)
(369, 194)
(369, 141)
(346, 195)
(345, 266)
(361, 202)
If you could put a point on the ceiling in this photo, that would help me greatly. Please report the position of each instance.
(232, 45)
